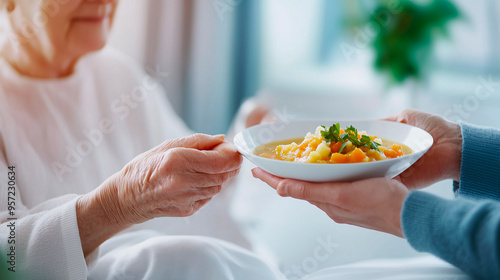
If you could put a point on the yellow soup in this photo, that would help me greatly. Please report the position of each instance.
(315, 149)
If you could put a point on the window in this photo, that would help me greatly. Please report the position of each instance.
(322, 48)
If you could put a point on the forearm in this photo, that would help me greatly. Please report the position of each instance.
(480, 167)
(462, 232)
(96, 216)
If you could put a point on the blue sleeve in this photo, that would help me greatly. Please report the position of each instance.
(465, 233)
(480, 163)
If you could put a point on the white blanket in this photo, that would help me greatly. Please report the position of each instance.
(421, 268)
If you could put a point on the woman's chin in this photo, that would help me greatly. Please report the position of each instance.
(90, 38)
(88, 47)
(95, 46)
(86, 44)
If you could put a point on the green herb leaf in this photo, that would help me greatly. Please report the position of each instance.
(342, 147)
(332, 134)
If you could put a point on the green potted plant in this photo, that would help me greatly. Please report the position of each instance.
(404, 45)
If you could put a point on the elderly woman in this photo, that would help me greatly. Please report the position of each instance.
(71, 117)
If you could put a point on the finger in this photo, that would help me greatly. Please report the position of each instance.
(225, 147)
(228, 149)
(405, 178)
(200, 203)
(186, 199)
(321, 192)
(206, 192)
(269, 118)
(202, 180)
(267, 178)
(395, 118)
(192, 208)
(391, 118)
(405, 116)
(195, 141)
(223, 159)
(256, 116)
(335, 193)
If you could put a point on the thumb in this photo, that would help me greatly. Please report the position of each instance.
(196, 141)
(408, 116)
(393, 118)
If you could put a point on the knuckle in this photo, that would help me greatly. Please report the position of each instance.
(192, 210)
(232, 173)
(217, 164)
(176, 182)
(239, 159)
(175, 156)
(338, 219)
(218, 188)
(221, 178)
(404, 115)
(211, 191)
(406, 111)
(302, 191)
(235, 172)
(198, 137)
(228, 158)
(188, 210)
(293, 189)
(171, 155)
(409, 112)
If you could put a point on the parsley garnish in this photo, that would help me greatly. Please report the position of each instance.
(332, 134)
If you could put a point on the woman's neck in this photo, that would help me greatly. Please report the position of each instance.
(29, 63)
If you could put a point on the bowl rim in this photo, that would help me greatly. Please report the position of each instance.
(248, 155)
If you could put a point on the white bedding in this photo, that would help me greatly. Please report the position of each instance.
(421, 268)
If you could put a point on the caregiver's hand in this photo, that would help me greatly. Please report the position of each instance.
(174, 179)
(372, 203)
(443, 159)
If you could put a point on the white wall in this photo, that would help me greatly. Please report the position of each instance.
(129, 31)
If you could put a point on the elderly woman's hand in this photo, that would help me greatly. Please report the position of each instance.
(443, 159)
(174, 179)
(372, 203)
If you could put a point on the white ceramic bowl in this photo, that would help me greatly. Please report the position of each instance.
(415, 138)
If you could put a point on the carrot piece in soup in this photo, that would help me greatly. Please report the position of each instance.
(339, 158)
(335, 146)
(357, 155)
(398, 149)
(390, 153)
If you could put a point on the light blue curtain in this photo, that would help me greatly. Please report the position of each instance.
(223, 62)
(247, 41)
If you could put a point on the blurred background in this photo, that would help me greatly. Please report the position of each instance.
(335, 58)
(317, 59)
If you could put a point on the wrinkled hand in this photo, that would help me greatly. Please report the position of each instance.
(373, 203)
(442, 161)
(174, 179)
